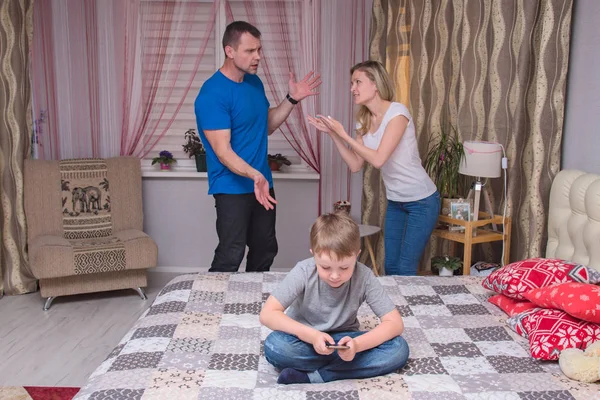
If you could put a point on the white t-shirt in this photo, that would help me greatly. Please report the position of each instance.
(403, 174)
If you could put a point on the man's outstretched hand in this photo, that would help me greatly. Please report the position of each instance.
(304, 88)
(261, 191)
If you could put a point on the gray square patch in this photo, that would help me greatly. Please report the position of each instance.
(242, 308)
(451, 289)
(167, 307)
(510, 365)
(424, 300)
(136, 360)
(238, 362)
(424, 366)
(467, 309)
(456, 349)
(154, 331)
(488, 334)
(549, 395)
(332, 395)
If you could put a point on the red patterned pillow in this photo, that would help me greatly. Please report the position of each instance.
(581, 300)
(551, 331)
(516, 279)
(511, 306)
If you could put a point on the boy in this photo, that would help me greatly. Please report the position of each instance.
(322, 296)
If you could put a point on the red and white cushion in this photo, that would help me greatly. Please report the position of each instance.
(580, 300)
(516, 279)
(551, 331)
(511, 306)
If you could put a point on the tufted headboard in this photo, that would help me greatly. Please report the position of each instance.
(574, 218)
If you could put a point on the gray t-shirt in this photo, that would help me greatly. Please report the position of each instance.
(314, 303)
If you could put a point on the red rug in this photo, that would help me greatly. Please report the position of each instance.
(37, 393)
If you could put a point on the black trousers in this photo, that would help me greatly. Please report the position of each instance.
(242, 221)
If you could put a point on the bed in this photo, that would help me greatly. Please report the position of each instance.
(201, 338)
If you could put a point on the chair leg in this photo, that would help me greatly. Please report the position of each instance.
(48, 302)
(141, 293)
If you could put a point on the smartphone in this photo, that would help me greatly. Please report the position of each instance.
(337, 346)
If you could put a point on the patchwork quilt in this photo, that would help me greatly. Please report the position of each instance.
(201, 339)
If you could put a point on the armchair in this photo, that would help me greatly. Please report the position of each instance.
(85, 222)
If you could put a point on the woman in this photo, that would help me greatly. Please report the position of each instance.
(386, 139)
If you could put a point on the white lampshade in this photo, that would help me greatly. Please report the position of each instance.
(482, 159)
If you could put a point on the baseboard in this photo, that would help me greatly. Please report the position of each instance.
(195, 270)
(177, 270)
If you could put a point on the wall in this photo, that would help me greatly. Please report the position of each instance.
(581, 139)
(180, 217)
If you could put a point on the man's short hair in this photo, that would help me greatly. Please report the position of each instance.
(234, 31)
(335, 233)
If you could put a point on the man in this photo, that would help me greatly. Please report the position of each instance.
(234, 121)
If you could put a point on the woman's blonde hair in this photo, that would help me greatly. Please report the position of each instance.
(376, 72)
(336, 235)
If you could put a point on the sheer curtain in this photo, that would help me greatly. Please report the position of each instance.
(104, 72)
(290, 43)
(328, 37)
(77, 77)
(166, 41)
(344, 40)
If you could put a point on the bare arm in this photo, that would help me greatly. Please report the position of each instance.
(297, 91)
(391, 138)
(391, 326)
(278, 115)
(220, 141)
(354, 161)
(273, 317)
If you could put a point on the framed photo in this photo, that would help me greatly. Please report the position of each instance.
(460, 210)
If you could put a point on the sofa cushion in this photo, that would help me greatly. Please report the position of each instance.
(54, 257)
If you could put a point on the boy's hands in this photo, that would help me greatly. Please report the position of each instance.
(319, 342)
(348, 354)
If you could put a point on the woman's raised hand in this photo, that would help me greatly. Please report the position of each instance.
(318, 123)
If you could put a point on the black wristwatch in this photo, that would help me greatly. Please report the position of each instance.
(290, 99)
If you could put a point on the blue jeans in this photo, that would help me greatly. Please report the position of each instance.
(283, 350)
(408, 226)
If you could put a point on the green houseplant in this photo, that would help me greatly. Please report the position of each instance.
(193, 147)
(166, 159)
(446, 265)
(275, 161)
(442, 163)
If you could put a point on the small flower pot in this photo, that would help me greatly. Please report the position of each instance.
(165, 167)
(201, 162)
(274, 165)
(446, 272)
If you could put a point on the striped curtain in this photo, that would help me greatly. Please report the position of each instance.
(497, 71)
(15, 135)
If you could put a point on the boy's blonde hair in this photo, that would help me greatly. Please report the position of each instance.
(336, 235)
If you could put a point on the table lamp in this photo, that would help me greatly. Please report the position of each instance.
(481, 160)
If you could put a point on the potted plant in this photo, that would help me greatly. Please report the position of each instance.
(165, 158)
(446, 265)
(442, 163)
(193, 147)
(275, 161)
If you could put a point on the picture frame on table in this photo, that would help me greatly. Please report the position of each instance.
(460, 210)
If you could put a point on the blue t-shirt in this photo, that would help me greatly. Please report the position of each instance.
(243, 108)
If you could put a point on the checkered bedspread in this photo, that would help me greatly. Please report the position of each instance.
(201, 339)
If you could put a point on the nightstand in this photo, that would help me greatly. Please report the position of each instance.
(474, 233)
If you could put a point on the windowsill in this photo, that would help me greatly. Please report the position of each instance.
(297, 173)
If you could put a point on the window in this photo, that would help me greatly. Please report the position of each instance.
(192, 31)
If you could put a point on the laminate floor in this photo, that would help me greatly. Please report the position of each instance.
(64, 345)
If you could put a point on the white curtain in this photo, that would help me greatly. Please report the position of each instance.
(344, 38)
